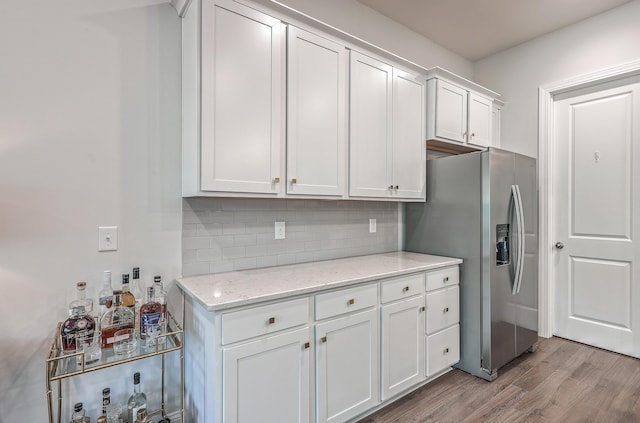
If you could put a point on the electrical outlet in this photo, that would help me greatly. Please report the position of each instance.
(107, 238)
(372, 226)
(280, 234)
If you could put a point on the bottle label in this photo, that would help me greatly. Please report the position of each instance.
(148, 321)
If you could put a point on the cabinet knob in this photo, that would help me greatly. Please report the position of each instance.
(390, 187)
(276, 180)
(405, 289)
(294, 181)
(272, 320)
(351, 302)
(446, 310)
(445, 280)
(445, 351)
(323, 339)
(306, 345)
(473, 134)
(396, 187)
(422, 308)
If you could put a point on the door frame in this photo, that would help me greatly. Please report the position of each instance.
(546, 94)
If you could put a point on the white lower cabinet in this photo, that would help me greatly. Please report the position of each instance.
(346, 366)
(268, 380)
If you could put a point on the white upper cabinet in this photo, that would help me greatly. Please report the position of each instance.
(237, 140)
(387, 131)
(316, 115)
(459, 112)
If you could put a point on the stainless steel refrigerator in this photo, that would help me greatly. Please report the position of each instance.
(482, 207)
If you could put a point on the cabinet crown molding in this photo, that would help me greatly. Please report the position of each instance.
(440, 73)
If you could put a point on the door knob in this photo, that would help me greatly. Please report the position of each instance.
(559, 245)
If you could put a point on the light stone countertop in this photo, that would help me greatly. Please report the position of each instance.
(219, 291)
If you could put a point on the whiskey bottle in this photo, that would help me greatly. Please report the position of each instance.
(116, 318)
(81, 298)
(150, 314)
(105, 297)
(128, 299)
(137, 401)
(79, 415)
(78, 323)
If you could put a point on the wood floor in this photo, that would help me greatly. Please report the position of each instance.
(562, 381)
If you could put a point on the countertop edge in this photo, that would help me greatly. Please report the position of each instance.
(306, 290)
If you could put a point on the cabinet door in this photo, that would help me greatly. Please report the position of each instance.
(268, 380)
(443, 350)
(480, 120)
(451, 111)
(443, 308)
(370, 113)
(495, 126)
(241, 99)
(346, 366)
(403, 356)
(409, 151)
(316, 114)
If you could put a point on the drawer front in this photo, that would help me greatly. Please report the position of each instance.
(443, 350)
(440, 278)
(345, 301)
(443, 308)
(399, 288)
(252, 322)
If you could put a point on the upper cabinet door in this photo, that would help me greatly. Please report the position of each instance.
(409, 152)
(451, 111)
(316, 115)
(480, 120)
(370, 141)
(242, 99)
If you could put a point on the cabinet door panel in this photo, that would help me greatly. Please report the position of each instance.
(480, 120)
(241, 99)
(451, 111)
(443, 308)
(316, 106)
(346, 366)
(403, 356)
(268, 380)
(409, 152)
(443, 350)
(370, 146)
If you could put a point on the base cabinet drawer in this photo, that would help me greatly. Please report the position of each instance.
(443, 349)
(443, 308)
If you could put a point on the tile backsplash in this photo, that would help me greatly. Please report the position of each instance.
(225, 234)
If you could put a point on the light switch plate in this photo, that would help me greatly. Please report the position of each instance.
(107, 238)
(372, 226)
(280, 230)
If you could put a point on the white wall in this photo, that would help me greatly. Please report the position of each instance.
(603, 41)
(89, 136)
(369, 25)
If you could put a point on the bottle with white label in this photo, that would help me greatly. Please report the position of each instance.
(137, 401)
(105, 297)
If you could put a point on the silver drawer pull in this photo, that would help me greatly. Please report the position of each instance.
(446, 310)
(405, 289)
(272, 320)
(445, 351)
(351, 302)
(323, 339)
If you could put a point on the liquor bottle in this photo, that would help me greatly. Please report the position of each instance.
(137, 400)
(106, 400)
(150, 314)
(105, 297)
(79, 415)
(142, 416)
(160, 296)
(78, 323)
(136, 289)
(128, 299)
(81, 298)
(116, 318)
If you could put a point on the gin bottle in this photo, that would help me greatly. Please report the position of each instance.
(137, 401)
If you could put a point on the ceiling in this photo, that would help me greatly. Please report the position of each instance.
(475, 29)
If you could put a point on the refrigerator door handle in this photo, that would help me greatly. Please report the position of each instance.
(517, 201)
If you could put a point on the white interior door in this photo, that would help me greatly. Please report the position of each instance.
(595, 216)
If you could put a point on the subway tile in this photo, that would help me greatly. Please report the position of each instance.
(245, 263)
(244, 240)
(192, 269)
(189, 229)
(233, 252)
(195, 243)
(267, 261)
(223, 241)
(233, 228)
(209, 229)
(221, 266)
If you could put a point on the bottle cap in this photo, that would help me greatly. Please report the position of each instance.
(106, 391)
(136, 273)
(106, 276)
(77, 407)
(81, 285)
(157, 279)
(125, 278)
(136, 378)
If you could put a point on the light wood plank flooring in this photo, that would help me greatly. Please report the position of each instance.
(563, 381)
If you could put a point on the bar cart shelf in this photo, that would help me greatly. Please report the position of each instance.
(61, 366)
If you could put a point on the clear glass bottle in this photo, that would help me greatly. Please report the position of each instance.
(116, 318)
(136, 289)
(128, 299)
(150, 315)
(105, 297)
(142, 416)
(137, 400)
(160, 296)
(81, 298)
(106, 400)
(79, 415)
(78, 322)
